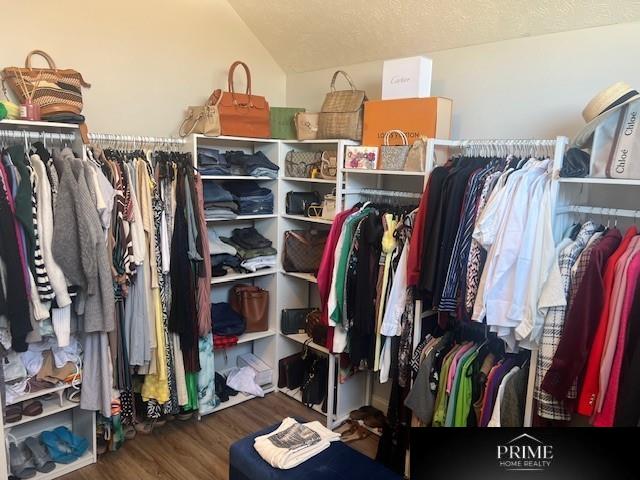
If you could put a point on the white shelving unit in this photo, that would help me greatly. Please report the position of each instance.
(261, 344)
(58, 411)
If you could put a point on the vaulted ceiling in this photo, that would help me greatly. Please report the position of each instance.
(305, 35)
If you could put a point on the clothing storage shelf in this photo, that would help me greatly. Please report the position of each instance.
(297, 395)
(308, 180)
(302, 218)
(49, 407)
(230, 140)
(237, 177)
(600, 181)
(303, 338)
(238, 277)
(241, 218)
(303, 276)
(358, 171)
(27, 124)
(250, 337)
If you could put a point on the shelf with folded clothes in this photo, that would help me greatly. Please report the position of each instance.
(233, 341)
(303, 276)
(297, 395)
(234, 140)
(302, 218)
(235, 277)
(229, 200)
(220, 162)
(237, 177)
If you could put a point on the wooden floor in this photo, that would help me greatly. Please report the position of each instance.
(199, 449)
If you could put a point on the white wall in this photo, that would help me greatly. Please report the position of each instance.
(529, 87)
(146, 59)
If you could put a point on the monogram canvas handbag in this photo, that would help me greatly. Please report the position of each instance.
(394, 157)
(342, 112)
(303, 250)
(301, 164)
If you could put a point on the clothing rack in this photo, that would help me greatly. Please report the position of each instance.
(134, 141)
(554, 149)
(29, 135)
(601, 211)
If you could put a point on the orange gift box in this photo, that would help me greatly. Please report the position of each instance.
(417, 117)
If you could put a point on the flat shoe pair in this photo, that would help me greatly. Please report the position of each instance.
(29, 408)
(63, 445)
(29, 458)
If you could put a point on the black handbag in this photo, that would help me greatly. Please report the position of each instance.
(297, 203)
(291, 371)
(294, 320)
(314, 384)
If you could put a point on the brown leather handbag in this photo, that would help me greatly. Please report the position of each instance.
(244, 114)
(253, 304)
(303, 250)
(315, 328)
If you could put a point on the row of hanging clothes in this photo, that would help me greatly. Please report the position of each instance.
(362, 282)
(588, 362)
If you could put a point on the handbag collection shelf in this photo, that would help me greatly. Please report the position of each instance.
(303, 276)
(301, 338)
(237, 177)
(297, 395)
(302, 218)
(308, 180)
(364, 171)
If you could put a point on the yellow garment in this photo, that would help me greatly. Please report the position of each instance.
(388, 246)
(156, 386)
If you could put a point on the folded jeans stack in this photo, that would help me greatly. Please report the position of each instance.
(255, 165)
(218, 202)
(255, 250)
(251, 198)
(212, 162)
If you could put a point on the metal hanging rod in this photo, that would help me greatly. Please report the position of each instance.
(383, 193)
(497, 142)
(29, 135)
(602, 211)
(134, 140)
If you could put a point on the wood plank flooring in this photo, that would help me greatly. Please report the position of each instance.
(199, 449)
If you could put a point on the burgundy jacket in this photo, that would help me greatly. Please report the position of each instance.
(581, 322)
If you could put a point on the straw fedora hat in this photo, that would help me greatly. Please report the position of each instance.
(603, 105)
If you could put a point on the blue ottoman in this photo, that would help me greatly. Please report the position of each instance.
(338, 462)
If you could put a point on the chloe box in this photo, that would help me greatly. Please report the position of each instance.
(406, 78)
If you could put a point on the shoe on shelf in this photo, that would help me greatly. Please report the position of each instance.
(77, 443)
(31, 408)
(41, 458)
(13, 413)
(58, 450)
(21, 462)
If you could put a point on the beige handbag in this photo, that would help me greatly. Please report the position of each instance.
(329, 165)
(306, 125)
(325, 210)
(417, 156)
(204, 120)
(342, 112)
(394, 157)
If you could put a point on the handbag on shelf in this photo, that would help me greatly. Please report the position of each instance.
(394, 157)
(291, 371)
(301, 164)
(243, 114)
(294, 320)
(54, 89)
(281, 119)
(306, 125)
(315, 329)
(303, 250)
(326, 210)
(297, 203)
(314, 382)
(253, 304)
(342, 112)
(203, 120)
(417, 156)
(329, 165)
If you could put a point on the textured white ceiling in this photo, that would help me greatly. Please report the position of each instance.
(305, 35)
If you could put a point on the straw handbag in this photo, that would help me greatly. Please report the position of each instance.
(342, 112)
(54, 90)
